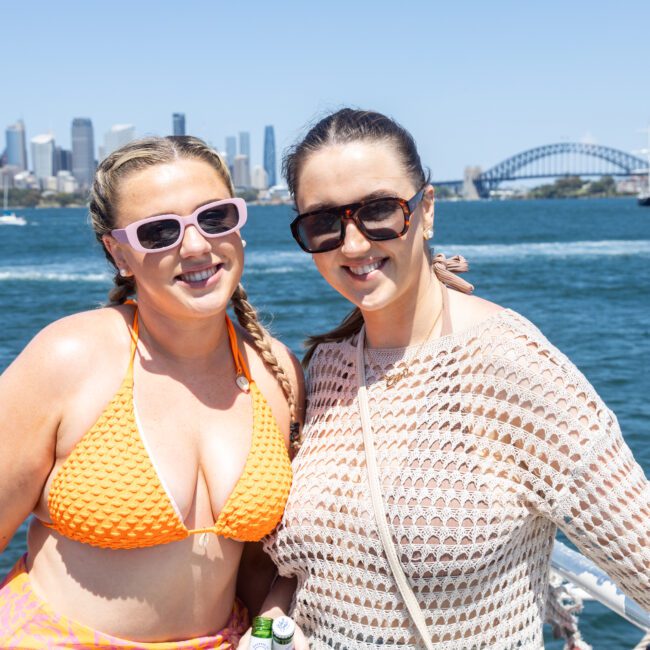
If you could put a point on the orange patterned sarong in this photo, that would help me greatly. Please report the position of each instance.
(28, 623)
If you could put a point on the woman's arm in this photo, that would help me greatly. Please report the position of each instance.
(45, 390)
(605, 511)
(254, 578)
(30, 403)
(578, 470)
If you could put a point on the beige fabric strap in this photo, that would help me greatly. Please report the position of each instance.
(446, 269)
(378, 504)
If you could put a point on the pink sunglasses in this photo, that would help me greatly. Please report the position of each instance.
(160, 233)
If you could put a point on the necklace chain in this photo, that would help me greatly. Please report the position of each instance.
(403, 368)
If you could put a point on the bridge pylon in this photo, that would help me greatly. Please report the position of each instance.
(471, 188)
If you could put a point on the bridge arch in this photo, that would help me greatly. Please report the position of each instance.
(508, 169)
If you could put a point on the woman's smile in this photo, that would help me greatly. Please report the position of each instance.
(365, 269)
(201, 277)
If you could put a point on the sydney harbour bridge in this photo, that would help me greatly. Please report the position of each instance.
(549, 161)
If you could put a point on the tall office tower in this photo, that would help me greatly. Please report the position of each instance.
(245, 144)
(118, 136)
(231, 151)
(178, 121)
(16, 145)
(241, 173)
(269, 155)
(43, 156)
(83, 151)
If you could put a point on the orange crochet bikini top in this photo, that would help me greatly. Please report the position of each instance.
(108, 493)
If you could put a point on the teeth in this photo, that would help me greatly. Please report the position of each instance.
(199, 275)
(362, 270)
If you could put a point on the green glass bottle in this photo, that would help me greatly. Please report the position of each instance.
(262, 636)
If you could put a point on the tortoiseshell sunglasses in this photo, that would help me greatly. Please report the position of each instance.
(377, 219)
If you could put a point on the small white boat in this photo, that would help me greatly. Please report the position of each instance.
(12, 219)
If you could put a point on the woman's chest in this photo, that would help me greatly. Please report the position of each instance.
(448, 504)
(193, 445)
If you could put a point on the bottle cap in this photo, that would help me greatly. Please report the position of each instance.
(283, 627)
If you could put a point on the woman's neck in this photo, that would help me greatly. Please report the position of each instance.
(407, 321)
(180, 340)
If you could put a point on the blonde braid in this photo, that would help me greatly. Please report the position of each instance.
(247, 317)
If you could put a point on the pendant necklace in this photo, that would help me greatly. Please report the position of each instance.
(403, 367)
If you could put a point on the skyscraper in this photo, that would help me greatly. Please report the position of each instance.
(259, 178)
(16, 145)
(269, 155)
(43, 156)
(118, 136)
(242, 172)
(62, 160)
(231, 151)
(245, 144)
(178, 120)
(83, 151)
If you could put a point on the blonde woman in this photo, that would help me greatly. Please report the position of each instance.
(149, 438)
(483, 436)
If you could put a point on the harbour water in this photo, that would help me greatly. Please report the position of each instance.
(580, 270)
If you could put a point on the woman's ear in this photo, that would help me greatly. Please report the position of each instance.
(115, 251)
(428, 209)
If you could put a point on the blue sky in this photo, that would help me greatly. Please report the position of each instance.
(475, 82)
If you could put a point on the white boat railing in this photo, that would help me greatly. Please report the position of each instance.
(585, 575)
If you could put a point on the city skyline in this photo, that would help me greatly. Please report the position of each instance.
(53, 167)
(473, 83)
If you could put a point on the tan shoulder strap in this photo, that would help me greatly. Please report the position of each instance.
(378, 504)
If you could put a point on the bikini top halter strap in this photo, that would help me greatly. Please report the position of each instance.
(133, 333)
(240, 365)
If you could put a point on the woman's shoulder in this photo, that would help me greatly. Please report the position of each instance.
(506, 343)
(473, 317)
(82, 340)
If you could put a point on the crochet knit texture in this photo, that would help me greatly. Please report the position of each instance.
(491, 441)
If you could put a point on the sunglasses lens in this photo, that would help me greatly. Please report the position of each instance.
(320, 231)
(219, 220)
(382, 219)
(159, 234)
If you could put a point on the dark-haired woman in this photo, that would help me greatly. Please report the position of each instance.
(149, 438)
(446, 439)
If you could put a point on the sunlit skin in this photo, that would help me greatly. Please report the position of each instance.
(398, 297)
(165, 299)
(196, 421)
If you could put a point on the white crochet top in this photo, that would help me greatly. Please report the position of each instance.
(491, 441)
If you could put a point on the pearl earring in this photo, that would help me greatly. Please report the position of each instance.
(428, 234)
(243, 243)
(124, 273)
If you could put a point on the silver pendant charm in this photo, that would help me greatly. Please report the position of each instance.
(203, 540)
(243, 383)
